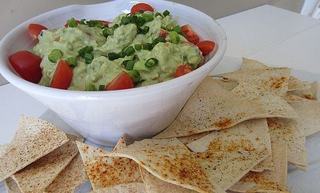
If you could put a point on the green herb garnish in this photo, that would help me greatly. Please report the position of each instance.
(166, 13)
(113, 56)
(151, 62)
(55, 55)
(72, 22)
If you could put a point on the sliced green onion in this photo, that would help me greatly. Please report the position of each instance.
(86, 49)
(166, 13)
(55, 55)
(72, 23)
(91, 87)
(135, 75)
(102, 87)
(139, 21)
(147, 17)
(129, 51)
(151, 62)
(143, 30)
(88, 57)
(128, 64)
(113, 56)
(147, 46)
(72, 61)
(125, 20)
(115, 26)
(83, 21)
(174, 37)
(177, 29)
(107, 32)
(138, 46)
(157, 40)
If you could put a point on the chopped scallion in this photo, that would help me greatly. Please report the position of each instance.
(151, 62)
(55, 55)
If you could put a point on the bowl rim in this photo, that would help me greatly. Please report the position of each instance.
(19, 82)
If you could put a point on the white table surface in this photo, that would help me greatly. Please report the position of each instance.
(272, 35)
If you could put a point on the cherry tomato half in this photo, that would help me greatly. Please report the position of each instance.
(189, 34)
(141, 7)
(182, 70)
(35, 30)
(27, 65)
(62, 76)
(206, 47)
(122, 81)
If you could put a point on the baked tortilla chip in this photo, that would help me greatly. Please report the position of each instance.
(310, 91)
(267, 181)
(309, 115)
(266, 164)
(155, 185)
(293, 84)
(213, 108)
(34, 139)
(287, 130)
(11, 186)
(104, 171)
(135, 187)
(226, 156)
(70, 178)
(270, 80)
(170, 161)
(41, 173)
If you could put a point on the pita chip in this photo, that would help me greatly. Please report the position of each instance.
(155, 185)
(213, 108)
(228, 155)
(170, 161)
(188, 139)
(70, 178)
(310, 91)
(107, 172)
(41, 173)
(34, 139)
(287, 130)
(266, 164)
(134, 187)
(11, 186)
(309, 115)
(267, 181)
(249, 64)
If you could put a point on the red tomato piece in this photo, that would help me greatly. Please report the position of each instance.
(141, 7)
(122, 81)
(206, 47)
(163, 33)
(182, 70)
(27, 65)
(62, 76)
(189, 34)
(35, 30)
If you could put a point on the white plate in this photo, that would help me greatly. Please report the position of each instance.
(298, 181)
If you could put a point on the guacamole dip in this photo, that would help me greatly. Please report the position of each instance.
(141, 48)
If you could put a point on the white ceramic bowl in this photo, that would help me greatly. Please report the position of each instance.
(103, 116)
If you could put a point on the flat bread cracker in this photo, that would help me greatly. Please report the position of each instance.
(106, 172)
(266, 164)
(309, 115)
(293, 83)
(41, 173)
(213, 108)
(12, 186)
(155, 185)
(34, 139)
(188, 139)
(135, 187)
(287, 130)
(170, 161)
(228, 155)
(310, 91)
(70, 178)
(267, 181)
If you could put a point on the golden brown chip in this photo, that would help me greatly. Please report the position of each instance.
(213, 108)
(227, 155)
(70, 178)
(34, 139)
(287, 130)
(41, 173)
(104, 171)
(170, 161)
(267, 181)
(310, 91)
